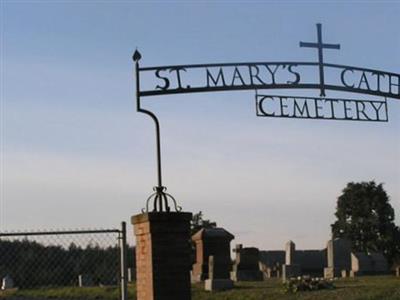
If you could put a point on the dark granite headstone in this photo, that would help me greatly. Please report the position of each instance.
(271, 263)
(246, 266)
(212, 242)
(218, 277)
(312, 262)
(369, 264)
(290, 271)
(339, 256)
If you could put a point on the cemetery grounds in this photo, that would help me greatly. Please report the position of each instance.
(360, 288)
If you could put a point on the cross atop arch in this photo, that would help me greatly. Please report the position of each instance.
(320, 46)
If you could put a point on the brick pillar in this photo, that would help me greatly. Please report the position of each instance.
(163, 255)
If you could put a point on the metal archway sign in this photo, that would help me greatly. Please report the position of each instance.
(197, 78)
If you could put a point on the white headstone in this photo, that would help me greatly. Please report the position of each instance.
(290, 249)
(7, 283)
(85, 280)
(131, 274)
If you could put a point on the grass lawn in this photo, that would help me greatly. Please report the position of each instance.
(362, 288)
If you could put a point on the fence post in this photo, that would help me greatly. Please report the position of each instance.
(124, 292)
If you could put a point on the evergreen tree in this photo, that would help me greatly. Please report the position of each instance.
(366, 218)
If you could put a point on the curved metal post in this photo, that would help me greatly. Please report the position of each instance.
(160, 193)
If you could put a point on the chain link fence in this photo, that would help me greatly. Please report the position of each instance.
(59, 259)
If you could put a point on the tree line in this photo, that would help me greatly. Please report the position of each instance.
(31, 264)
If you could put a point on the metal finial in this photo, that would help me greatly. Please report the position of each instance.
(161, 201)
(136, 56)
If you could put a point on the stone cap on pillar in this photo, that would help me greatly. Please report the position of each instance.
(161, 222)
(161, 216)
(213, 233)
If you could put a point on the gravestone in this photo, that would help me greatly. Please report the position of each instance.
(131, 274)
(271, 263)
(85, 280)
(163, 255)
(290, 269)
(380, 264)
(212, 242)
(7, 283)
(338, 256)
(290, 249)
(246, 266)
(218, 276)
(360, 263)
(270, 272)
(311, 262)
(329, 273)
(368, 264)
(266, 271)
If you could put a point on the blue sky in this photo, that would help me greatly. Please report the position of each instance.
(76, 154)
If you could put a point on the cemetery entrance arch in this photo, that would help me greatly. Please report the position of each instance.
(267, 76)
